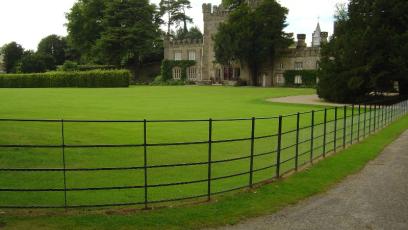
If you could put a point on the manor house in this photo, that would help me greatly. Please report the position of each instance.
(299, 56)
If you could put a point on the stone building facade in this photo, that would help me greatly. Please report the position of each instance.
(2, 67)
(299, 56)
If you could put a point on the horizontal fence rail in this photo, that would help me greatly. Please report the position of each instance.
(292, 142)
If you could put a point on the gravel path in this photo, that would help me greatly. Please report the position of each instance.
(303, 99)
(376, 198)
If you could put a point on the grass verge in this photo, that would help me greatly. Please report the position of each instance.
(228, 209)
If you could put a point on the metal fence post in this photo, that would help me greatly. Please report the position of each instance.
(375, 118)
(365, 121)
(370, 119)
(278, 152)
(325, 133)
(335, 129)
(345, 127)
(146, 201)
(64, 163)
(209, 158)
(312, 136)
(382, 117)
(297, 141)
(352, 124)
(359, 123)
(251, 166)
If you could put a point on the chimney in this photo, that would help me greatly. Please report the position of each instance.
(324, 36)
(301, 41)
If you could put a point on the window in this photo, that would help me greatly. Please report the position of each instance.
(299, 66)
(298, 80)
(177, 56)
(237, 73)
(192, 73)
(177, 73)
(280, 80)
(281, 66)
(317, 65)
(192, 55)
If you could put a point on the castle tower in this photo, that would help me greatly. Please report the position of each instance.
(317, 39)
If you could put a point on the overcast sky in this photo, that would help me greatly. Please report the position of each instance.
(28, 21)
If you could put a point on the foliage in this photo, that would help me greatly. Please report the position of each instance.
(69, 66)
(120, 33)
(55, 46)
(158, 81)
(232, 4)
(129, 32)
(176, 13)
(309, 77)
(168, 65)
(90, 79)
(36, 63)
(12, 53)
(194, 33)
(368, 52)
(252, 36)
(85, 27)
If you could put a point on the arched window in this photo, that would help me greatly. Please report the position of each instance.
(192, 73)
(177, 73)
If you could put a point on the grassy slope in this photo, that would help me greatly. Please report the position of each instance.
(230, 209)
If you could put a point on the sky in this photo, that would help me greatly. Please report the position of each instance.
(28, 21)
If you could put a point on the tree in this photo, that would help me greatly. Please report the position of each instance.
(12, 55)
(252, 36)
(232, 4)
(368, 51)
(192, 33)
(176, 13)
(85, 26)
(130, 32)
(36, 63)
(54, 46)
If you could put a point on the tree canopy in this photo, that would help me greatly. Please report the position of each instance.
(175, 10)
(12, 54)
(129, 32)
(252, 36)
(368, 51)
(54, 46)
(120, 32)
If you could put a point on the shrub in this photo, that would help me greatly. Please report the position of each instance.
(88, 79)
(309, 78)
(69, 66)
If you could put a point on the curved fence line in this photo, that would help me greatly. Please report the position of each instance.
(304, 140)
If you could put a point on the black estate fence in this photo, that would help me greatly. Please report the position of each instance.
(163, 172)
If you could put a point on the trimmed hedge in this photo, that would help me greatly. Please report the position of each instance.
(168, 65)
(308, 78)
(88, 79)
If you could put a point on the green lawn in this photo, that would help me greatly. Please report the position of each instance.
(138, 103)
(229, 209)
